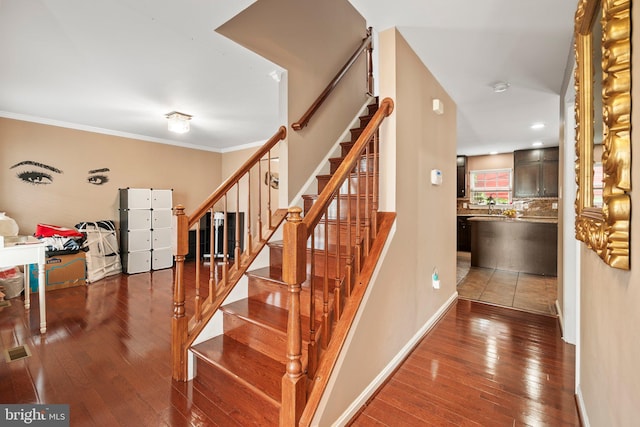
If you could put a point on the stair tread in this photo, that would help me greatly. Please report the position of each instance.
(342, 196)
(237, 400)
(240, 360)
(332, 247)
(270, 316)
(340, 158)
(276, 278)
(267, 273)
(352, 175)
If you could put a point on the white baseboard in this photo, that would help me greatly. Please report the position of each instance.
(582, 409)
(377, 382)
(560, 317)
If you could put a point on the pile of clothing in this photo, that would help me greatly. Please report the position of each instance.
(59, 240)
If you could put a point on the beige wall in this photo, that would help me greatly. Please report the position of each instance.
(68, 198)
(402, 300)
(610, 317)
(231, 162)
(312, 44)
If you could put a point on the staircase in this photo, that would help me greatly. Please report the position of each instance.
(241, 371)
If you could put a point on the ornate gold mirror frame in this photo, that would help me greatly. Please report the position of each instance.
(606, 229)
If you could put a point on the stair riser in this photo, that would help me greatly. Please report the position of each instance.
(357, 184)
(366, 164)
(319, 258)
(332, 213)
(272, 293)
(345, 147)
(332, 232)
(364, 120)
(356, 132)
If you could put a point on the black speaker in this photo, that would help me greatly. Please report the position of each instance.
(218, 233)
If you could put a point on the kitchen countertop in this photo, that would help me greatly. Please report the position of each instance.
(538, 219)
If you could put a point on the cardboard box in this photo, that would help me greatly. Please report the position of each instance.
(61, 271)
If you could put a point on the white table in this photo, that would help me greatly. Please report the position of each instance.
(25, 250)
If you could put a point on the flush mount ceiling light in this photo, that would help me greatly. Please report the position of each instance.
(537, 144)
(178, 122)
(500, 87)
(493, 153)
(537, 126)
(276, 75)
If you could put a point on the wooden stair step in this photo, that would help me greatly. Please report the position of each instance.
(365, 204)
(319, 247)
(331, 260)
(238, 401)
(261, 326)
(253, 369)
(357, 182)
(346, 146)
(366, 163)
(356, 132)
(264, 288)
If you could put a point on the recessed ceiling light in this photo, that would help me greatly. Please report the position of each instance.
(493, 153)
(537, 144)
(538, 125)
(500, 87)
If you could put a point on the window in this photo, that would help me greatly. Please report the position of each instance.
(495, 183)
(598, 185)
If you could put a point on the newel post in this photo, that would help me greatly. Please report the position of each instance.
(294, 272)
(179, 321)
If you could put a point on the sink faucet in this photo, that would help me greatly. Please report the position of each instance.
(492, 204)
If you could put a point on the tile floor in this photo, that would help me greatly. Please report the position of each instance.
(528, 292)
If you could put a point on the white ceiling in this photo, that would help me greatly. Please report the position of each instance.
(119, 66)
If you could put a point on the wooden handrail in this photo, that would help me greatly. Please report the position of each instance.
(233, 179)
(365, 45)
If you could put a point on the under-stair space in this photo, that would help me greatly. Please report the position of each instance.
(241, 370)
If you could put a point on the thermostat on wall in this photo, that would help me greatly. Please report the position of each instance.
(436, 176)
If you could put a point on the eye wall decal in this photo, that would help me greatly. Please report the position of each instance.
(35, 173)
(98, 177)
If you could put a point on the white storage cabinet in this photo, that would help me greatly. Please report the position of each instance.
(145, 229)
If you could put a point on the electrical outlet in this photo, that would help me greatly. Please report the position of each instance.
(554, 205)
(465, 206)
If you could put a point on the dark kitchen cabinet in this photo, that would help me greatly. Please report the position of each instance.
(464, 234)
(461, 162)
(536, 172)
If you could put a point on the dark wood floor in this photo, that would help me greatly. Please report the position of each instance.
(481, 365)
(106, 354)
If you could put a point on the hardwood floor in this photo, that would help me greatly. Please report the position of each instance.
(106, 353)
(481, 365)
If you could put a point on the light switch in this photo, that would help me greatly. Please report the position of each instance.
(436, 177)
